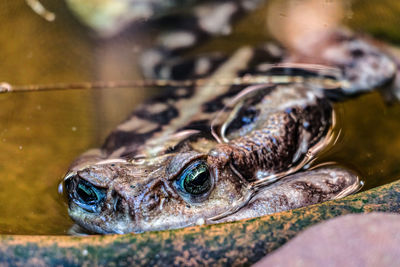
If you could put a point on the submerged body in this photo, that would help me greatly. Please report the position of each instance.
(216, 153)
(209, 167)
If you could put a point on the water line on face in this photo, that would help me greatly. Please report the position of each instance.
(236, 205)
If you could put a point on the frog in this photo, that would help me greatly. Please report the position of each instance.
(212, 152)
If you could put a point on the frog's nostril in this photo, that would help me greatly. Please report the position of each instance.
(119, 203)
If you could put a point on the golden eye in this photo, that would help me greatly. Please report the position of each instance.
(195, 179)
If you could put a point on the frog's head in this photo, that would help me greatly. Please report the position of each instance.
(169, 191)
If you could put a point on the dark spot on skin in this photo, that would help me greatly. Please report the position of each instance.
(182, 146)
(263, 55)
(315, 194)
(119, 139)
(169, 93)
(353, 77)
(182, 70)
(335, 95)
(288, 110)
(260, 56)
(312, 193)
(316, 119)
(283, 200)
(217, 103)
(248, 113)
(357, 53)
(258, 96)
(200, 125)
(245, 116)
(288, 71)
(162, 118)
(336, 187)
(185, 22)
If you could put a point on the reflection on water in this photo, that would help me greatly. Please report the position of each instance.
(369, 139)
(42, 132)
(40, 135)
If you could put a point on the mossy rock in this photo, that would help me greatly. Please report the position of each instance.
(238, 243)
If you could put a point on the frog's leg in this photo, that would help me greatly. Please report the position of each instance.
(271, 131)
(202, 22)
(298, 190)
(365, 66)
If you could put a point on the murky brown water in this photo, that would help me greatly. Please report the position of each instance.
(42, 132)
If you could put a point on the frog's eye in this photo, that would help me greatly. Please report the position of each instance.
(85, 194)
(195, 180)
